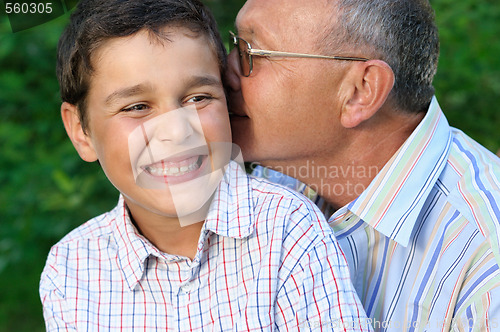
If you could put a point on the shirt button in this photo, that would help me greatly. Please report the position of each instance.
(187, 288)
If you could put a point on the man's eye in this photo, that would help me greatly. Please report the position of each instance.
(138, 108)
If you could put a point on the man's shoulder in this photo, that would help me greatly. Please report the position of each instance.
(266, 190)
(476, 173)
(471, 151)
(472, 176)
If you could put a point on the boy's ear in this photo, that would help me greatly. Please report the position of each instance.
(370, 82)
(81, 141)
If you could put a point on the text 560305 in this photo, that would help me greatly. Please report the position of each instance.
(28, 8)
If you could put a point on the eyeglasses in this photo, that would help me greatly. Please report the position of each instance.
(246, 52)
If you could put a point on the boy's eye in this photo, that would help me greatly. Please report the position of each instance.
(198, 99)
(137, 107)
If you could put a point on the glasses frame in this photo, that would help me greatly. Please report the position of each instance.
(265, 53)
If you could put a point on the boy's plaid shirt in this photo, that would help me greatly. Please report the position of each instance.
(266, 260)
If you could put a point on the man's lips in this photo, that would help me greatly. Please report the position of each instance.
(239, 115)
(236, 105)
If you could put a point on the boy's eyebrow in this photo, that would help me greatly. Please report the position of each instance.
(192, 82)
(127, 92)
(203, 80)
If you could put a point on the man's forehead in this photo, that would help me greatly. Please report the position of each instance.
(256, 13)
(276, 23)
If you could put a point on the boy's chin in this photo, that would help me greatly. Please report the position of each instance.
(188, 213)
(193, 217)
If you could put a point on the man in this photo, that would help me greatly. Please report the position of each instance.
(416, 203)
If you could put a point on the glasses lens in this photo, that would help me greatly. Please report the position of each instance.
(245, 58)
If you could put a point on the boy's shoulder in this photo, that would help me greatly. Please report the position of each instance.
(245, 204)
(99, 227)
(278, 196)
(262, 188)
(90, 243)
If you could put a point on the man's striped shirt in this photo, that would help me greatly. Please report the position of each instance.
(423, 240)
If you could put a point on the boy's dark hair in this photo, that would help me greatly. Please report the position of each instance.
(96, 21)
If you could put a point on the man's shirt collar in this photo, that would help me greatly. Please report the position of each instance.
(394, 199)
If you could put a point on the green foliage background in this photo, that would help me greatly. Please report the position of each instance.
(46, 190)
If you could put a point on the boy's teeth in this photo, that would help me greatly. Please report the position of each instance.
(164, 170)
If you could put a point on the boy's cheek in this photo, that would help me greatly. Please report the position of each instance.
(216, 125)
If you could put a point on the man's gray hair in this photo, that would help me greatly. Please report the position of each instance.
(402, 33)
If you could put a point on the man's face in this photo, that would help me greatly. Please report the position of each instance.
(158, 121)
(287, 110)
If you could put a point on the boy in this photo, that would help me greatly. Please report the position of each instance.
(193, 244)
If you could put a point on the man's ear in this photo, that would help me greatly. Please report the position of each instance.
(81, 141)
(370, 82)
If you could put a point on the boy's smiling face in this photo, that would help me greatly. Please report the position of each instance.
(158, 121)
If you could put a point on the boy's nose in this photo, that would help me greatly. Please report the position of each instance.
(174, 126)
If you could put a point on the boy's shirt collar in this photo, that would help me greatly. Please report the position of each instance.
(132, 248)
(231, 212)
(230, 215)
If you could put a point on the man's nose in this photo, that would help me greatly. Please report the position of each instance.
(233, 73)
